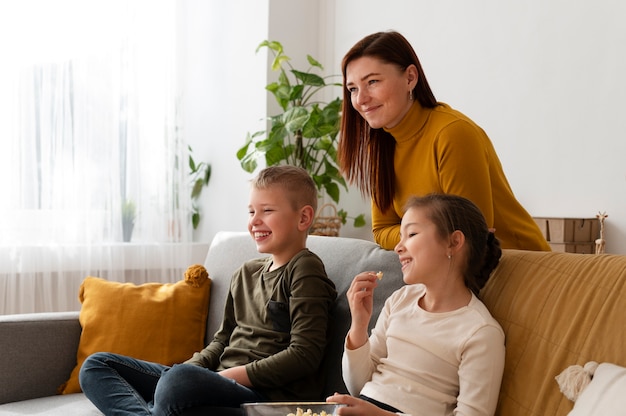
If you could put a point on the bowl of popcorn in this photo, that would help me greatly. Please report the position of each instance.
(291, 409)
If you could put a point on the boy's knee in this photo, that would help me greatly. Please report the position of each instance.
(178, 374)
(181, 378)
(97, 359)
(94, 361)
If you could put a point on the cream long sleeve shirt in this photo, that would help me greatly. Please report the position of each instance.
(429, 364)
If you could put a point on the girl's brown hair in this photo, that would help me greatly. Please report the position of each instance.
(450, 213)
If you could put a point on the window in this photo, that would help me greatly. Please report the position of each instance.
(88, 136)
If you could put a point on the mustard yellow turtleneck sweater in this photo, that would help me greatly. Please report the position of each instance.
(441, 150)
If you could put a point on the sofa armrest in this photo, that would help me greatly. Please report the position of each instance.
(37, 353)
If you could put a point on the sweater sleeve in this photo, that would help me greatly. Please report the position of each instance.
(480, 373)
(359, 364)
(385, 227)
(355, 369)
(209, 357)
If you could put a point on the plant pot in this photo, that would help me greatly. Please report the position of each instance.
(127, 230)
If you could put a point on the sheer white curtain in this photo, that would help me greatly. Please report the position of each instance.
(88, 124)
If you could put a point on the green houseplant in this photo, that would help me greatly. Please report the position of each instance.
(305, 133)
(200, 174)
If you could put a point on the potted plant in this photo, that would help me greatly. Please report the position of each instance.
(128, 219)
(305, 132)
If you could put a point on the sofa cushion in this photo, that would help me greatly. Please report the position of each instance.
(65, 405)
(163, 323)
(555, 309)
(604, 395)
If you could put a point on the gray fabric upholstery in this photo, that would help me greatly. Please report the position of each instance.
(38, 351)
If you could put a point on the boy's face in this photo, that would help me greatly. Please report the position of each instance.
(273, 223)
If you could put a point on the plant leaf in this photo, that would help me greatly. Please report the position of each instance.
(207, 174)
(343, 215)
(296, 92)
(277, 63)
(197, 188)
(295, 118)
(241, 153)
(282, 93)
(274, 155)
(332, 190)
(359, 221)
(248, 162)
(309, 79)
(313, 62)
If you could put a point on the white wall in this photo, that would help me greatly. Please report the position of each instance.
(223, 98)
(543, 78)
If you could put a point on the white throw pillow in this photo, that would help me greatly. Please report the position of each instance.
(605, 395)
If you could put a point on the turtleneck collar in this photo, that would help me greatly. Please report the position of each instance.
(412, 122)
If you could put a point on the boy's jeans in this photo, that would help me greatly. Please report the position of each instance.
(120, 385)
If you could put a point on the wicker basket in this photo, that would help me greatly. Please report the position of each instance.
(326, 225)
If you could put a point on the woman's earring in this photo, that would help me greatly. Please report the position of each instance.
(410, 95)
(449, 256)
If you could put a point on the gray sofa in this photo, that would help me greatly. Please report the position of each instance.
(38, 351)
(556, 309)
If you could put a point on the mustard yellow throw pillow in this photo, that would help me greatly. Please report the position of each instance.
(163, 323)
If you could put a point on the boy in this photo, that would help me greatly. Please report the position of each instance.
(273, 334)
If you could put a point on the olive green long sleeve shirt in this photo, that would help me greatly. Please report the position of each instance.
(275, 323)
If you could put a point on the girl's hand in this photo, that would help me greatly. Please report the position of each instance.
(361, 301)
(356, 407)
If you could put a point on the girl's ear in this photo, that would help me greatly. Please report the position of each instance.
(457, 241)
(306, 217)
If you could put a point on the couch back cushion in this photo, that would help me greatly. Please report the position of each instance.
(557, 310)
(343, 258)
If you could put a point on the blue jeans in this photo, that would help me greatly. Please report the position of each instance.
(120, 385)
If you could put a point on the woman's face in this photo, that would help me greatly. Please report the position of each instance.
(379, 91)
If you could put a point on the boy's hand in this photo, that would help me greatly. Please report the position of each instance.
(239, 374)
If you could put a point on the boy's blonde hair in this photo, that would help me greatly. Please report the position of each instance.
(296, 182)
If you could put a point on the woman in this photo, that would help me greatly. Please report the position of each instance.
(435, 349)
(397, 141)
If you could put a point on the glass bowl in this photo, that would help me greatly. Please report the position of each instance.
(290, 408)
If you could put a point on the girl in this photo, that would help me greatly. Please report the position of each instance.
(435, 349)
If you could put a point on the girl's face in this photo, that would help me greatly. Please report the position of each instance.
(379, 91)
(422, 252)
(273, 222)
